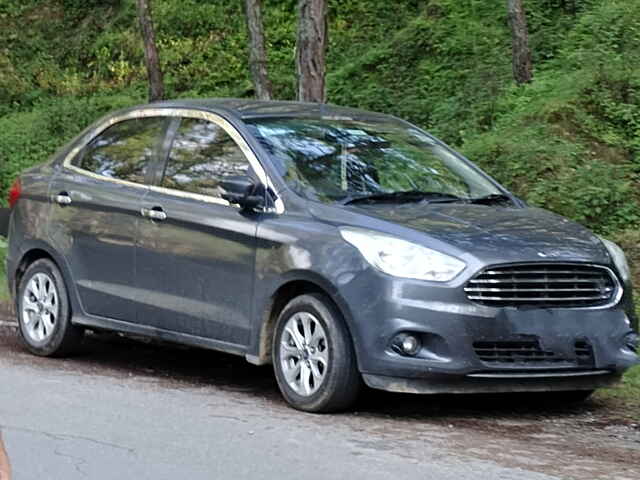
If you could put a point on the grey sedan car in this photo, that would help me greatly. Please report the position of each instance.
(346, 248)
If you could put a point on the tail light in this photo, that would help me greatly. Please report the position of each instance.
(15, 192)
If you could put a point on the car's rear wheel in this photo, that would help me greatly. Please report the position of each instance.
(313, 356)
(44, 314)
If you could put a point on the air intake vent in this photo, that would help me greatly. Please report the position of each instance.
(548, 285)
(515, 352)
(583, 350)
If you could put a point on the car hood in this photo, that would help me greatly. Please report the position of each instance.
(493, 233)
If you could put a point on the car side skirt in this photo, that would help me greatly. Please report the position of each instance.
(100, 323)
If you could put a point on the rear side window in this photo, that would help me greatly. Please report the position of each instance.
(125, 150)
(202, 153)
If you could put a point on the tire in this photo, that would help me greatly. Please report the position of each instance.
(327, 354)
(44, 313)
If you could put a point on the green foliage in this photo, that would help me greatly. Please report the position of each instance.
(569, 142)
(626, 395)
(429, 68)
(28, 138)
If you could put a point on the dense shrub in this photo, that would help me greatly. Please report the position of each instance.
(28, 138)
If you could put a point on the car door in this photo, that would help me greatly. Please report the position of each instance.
(196, 252)
(97, 200)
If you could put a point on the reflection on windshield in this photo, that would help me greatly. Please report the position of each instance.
(331, 160)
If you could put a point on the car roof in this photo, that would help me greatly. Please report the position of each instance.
(249, 108)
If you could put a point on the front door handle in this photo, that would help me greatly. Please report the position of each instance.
(155, 213)
(63, 198)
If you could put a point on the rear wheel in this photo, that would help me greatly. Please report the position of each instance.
(44, 315)
(314, 360)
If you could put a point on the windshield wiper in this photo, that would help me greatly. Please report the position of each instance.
(492, 199)
(401, 197)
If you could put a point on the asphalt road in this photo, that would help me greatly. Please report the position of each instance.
(126, 409)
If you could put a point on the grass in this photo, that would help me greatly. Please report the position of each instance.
(625, 398)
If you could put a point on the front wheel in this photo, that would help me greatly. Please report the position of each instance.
(44, 314)
(314, 359)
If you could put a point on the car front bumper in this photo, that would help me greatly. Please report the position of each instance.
(464, 344)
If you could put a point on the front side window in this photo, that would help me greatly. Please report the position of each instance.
(125, 150)
(340, 159)
(202, 153)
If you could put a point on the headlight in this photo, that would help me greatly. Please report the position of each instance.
(401, 258)
(619, 259)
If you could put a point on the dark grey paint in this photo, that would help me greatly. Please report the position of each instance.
(96, 233)
(211, 245)
(207, 275)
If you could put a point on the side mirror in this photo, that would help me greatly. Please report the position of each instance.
(241, 190)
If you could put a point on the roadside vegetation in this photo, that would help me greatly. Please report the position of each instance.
(625, 398)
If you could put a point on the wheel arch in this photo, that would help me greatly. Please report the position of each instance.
(37, 250)
(293, 285)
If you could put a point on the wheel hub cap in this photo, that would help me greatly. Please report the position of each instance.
(39, 312)
(304, 353)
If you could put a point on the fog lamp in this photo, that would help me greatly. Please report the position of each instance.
(410, 345)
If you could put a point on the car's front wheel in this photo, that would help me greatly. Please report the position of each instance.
(313, 356)
(44, 315)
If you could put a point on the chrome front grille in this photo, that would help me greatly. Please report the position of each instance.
(544, 285)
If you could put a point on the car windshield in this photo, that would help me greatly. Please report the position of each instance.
(381, 159)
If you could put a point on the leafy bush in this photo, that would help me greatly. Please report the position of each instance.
(28, 138)
(570, 141)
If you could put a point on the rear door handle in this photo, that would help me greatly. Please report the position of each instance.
(63, 198)
(155, 213)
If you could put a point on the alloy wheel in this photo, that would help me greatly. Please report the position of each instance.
(304, 353)
(40, 307)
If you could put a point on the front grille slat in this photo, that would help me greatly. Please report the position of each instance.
(538, 299)
(543, 285)
(480, 289)
(533, 280)
(537, 272)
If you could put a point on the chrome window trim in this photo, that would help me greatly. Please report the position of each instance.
(176, 112)
(615, 299)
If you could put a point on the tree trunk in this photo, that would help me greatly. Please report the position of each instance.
(156, 85)
(522, 66)
(257, 50)
(311, 49)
